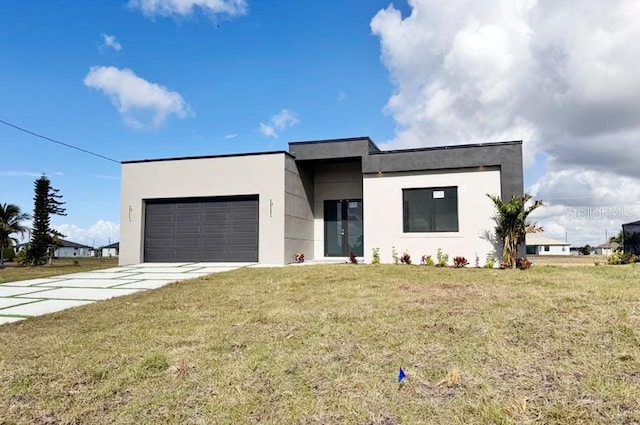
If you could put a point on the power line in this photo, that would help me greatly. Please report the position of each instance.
(57, 141)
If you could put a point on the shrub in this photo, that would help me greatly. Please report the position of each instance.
(9, 254)
(443, 259)
(524, 263)
(459, 262)
(406, 258)
(427, 260)
(353, 258)
(21, 256)
(622, 258)
(490, 261)
(394, 255)
(376, 256)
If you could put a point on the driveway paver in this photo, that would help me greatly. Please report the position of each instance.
(27, 298)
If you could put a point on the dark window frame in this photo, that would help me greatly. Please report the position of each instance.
(430, 214)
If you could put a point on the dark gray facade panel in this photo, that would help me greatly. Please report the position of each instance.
(298, 218)
(331, 149)
(298, 228)
(508, 156)
(213, 229)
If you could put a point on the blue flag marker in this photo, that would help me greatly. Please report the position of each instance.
(401, 376)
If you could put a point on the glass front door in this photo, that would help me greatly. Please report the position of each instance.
(343, 232)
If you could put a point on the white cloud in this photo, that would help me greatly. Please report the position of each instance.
(267, 130)
(230, 136)
(110, 41)
(560, 75)
(20, 174)
(98, 234)
(585, 204)
(278, 123)
(341, 96)
(141, 103)
(188, 7)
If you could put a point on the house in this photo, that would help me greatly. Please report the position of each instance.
(606, 248)
(538, 244)
(110, 250)
(71, 249)
(631, 232)
(326, 199)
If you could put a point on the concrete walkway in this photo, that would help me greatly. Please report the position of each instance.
(27, 298)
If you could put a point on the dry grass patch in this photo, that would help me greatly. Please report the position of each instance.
(323, 344)
(13, 272)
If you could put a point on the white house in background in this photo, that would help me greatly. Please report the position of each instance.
(71, 249)
(606, 248)
(111, 250)
(326, 199)
(537, 244)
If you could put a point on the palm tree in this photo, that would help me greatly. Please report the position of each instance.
(11, 219)
(511, 224)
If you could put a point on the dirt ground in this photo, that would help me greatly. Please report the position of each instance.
(567, 260)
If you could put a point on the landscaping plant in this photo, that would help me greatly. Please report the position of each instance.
(459, 262)
(405, 258)
(443, 258)
(375, 256)
(512, 225)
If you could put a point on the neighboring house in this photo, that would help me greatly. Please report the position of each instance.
(325, 199)
(71, 249)
(111, 250)
(538, 244)
(631, 232)
(19, 246)
(606, 248)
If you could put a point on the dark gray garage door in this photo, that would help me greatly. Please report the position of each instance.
(202, 229)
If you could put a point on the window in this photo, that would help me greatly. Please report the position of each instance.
(430, 209)
(546, 248)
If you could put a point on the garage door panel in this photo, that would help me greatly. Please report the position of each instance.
(216, 216)
(159, 242)
(212, 229)
(187, 229)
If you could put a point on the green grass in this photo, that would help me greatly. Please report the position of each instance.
(13, 272)
(323, 344)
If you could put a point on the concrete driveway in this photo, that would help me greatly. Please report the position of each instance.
(28, 298)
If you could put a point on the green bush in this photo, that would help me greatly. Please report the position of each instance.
(490, 262)
(443, 258)
(376, 256)
(622, 258)
(9, 254)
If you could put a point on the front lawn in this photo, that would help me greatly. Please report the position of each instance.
(323, 344)
(12, 272)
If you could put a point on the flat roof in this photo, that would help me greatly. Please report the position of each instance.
(448, 147)
(376, 150)
(208, 156)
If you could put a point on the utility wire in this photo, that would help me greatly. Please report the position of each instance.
(57, 141)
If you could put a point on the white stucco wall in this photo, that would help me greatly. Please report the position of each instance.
(62, 252)
(383, 225)
(109, 252)
(223, 176)
(553, 250)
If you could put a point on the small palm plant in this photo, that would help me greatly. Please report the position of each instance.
(512, 225)
(11, 219)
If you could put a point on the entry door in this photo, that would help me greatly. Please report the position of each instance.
(343, 233)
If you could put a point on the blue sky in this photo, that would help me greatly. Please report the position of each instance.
(165, 78)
